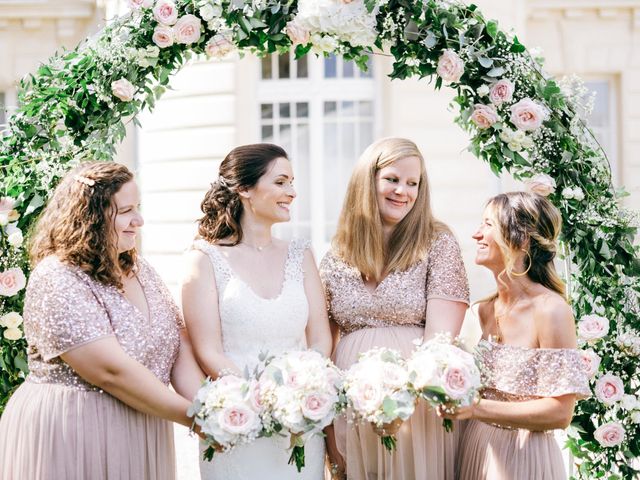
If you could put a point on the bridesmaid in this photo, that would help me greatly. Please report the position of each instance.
(103, 340)
(528, 348)
(394, 274)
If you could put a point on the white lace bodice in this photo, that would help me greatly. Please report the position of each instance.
(252, 324)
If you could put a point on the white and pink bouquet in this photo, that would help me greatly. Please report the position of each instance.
(444, 374)
(228, 412)
(300, 391)
(377, 391)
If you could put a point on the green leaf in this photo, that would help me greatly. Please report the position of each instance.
(389, 406)
(492, 29)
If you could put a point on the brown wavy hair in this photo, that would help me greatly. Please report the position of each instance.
(77, 225)
(240, 170)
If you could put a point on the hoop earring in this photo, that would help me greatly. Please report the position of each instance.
(522, 274)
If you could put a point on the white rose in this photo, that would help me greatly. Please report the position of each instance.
(629, 402)
(592, 327)
(138, 4)
(483, 91)
(15, 238)
(165, 12)
(316, 406)
(163, 36)
(123, 89)
(591, 362)
(11, 320)
(450, 66)
(207, 12)
(187, 29)
(4, 219)
(635, 416)
(578, 194)
(541, 184)
(297, 33)
(238, 419)
(567, 193)
(323, 43)
(12, 334)
(219, 46)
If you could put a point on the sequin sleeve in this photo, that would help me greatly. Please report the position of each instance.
(325, 273)
(446, 275)
(61, 310)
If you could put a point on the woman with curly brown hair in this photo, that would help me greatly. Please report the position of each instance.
(104, 340)
(246, 292)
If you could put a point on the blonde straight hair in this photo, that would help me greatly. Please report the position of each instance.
(359, 238)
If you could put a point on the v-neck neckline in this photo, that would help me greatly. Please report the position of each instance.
(146, 318)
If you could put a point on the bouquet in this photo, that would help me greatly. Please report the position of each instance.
(300, 392)
(444, 375)
(377, 390)
(228, 412)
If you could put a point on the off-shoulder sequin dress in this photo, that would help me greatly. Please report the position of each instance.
(516, 374)
(57, 426)
(393, 316)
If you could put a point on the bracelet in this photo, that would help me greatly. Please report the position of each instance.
(336, 471)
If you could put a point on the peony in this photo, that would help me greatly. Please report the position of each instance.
(165, 12)
(123, 89)
(484, 116)
(11, 320)
(317, 406)
(14, 235)
(11, 282)
(590, 362)
(218, 46)
(592, 327)
(12, 334)
(610, 434)
(138, 4)
(450, 66)
(163, 36)
(541, 184)
(456, 382)
(297, 34)
(528, 115)
(187, 29)
(609, 389)
(237, 419)
(501, 92)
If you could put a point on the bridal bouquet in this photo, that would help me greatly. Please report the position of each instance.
(444, 375)
(228, 412)
(300, 391)
(377, 391)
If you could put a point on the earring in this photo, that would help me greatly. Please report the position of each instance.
(522, 274)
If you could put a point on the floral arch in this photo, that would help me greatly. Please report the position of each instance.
(75, 107)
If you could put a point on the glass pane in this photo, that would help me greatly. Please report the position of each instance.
(348, 147)
(284, 67)
(266, 67)
(348, 109)
(365, 109)
(266, 110)
(330, 109)
(366, 135)
(303, 67)
(302, 172)
(285, 110)
(332, 173)
(284, 137)
(266, 134)
(369, 72)
(330, 65)
(347, 69)
(600, 115)
(302, 110)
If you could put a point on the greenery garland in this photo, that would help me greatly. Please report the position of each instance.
(76, 106)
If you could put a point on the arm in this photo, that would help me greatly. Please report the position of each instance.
(200, 308)
(318, 331)
(186, 375)
(105, 364)
(444, 316)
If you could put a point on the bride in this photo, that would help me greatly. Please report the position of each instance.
(246, 292)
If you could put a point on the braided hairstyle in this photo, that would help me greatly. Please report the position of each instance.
(241, 169)
(529, 222)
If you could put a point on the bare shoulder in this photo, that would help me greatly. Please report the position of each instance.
(554, 320)
(196, 265)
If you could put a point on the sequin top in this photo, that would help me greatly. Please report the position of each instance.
(64, 309)
(513, 374)
(401, 297)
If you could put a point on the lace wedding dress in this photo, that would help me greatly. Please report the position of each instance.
(250, 325)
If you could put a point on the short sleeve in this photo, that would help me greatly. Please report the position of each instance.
(324, 270)
(62, 311)
(446, 275)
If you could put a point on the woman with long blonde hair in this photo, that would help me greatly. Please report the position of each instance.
(394, 274)
(534, 372)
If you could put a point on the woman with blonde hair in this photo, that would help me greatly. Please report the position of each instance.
(104, 340)
(534, 372)
(394, 274)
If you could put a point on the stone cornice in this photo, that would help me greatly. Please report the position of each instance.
(46, 9)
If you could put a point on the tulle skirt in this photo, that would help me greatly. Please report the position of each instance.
(425, 451)
(55, 432)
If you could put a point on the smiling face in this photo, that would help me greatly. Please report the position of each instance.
(488, 253)
(128, 218)
(270, 199)
(397, 189)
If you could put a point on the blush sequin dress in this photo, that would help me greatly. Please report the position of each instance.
(394, 316)
(57, 426)
(516, 374)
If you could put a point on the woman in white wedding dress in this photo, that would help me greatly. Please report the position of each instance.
(246, 292)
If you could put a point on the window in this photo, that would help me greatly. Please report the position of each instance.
(603, 120)
(322, 111)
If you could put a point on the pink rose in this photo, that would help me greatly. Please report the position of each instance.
(187, 29)
(592, 327)
(501, 91)
(528, 115)
(316, 406)
(450, 66)
(123, 89)
(11, 282)
(541, 184)
(138, 4)
(610, 434)
(165, 12)
(590, 362)
(237, 420)
(218, 46)
(367, 396)
(456, 382)
(163, 36)
(609, 389)
(255, 396)
(297, 34)
(484, 116)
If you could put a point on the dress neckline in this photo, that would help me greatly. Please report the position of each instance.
(493, 344)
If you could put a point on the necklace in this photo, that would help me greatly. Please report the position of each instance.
(258, 248)
(498, 336)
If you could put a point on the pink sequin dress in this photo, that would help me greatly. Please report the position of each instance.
(57, 426)
(393, 316)
(516, 374)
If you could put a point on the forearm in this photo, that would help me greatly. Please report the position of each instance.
(535, 415)
(332, 448)
(214, 364)
(322, 345)
(186, 375)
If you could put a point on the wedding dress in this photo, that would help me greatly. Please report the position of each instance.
(251, 325)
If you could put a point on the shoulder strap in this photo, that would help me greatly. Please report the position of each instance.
(295, 258)
(221, 268)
